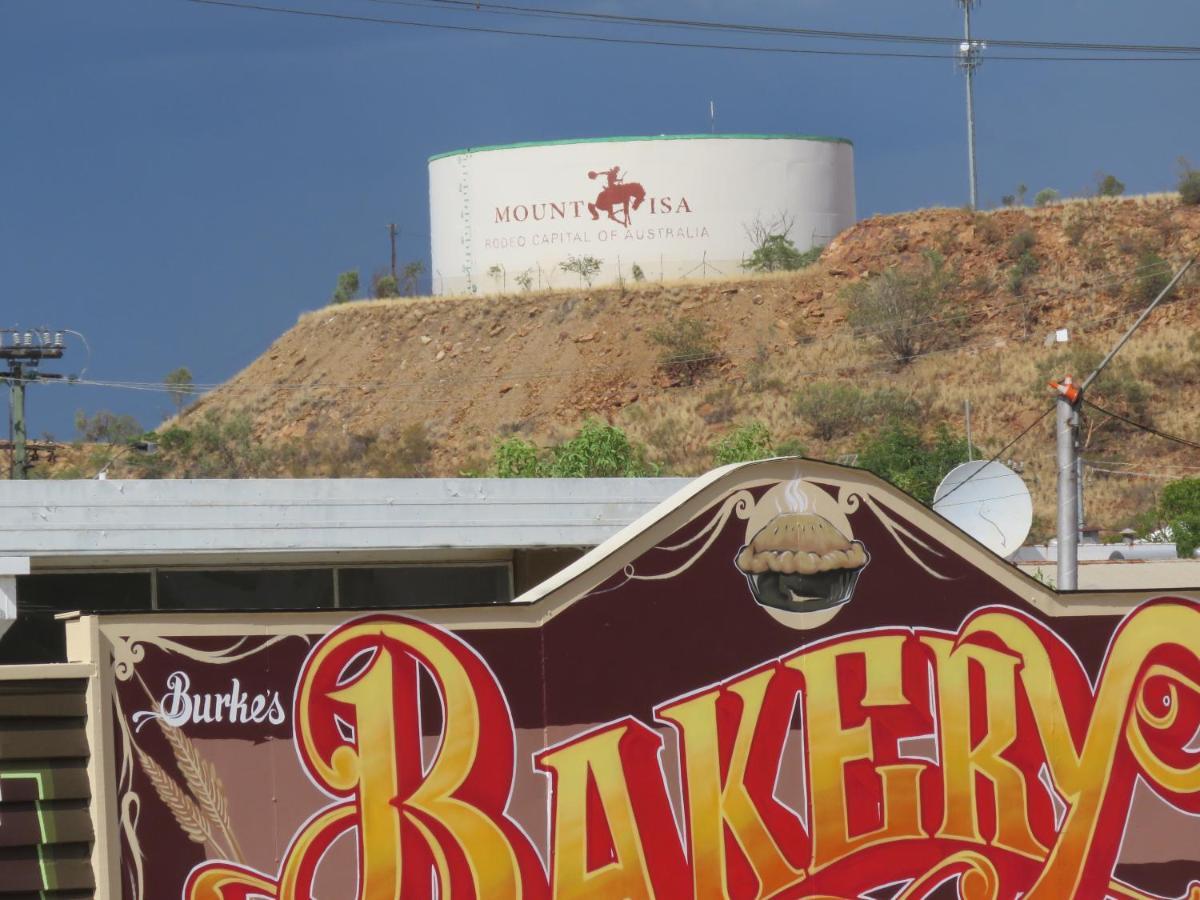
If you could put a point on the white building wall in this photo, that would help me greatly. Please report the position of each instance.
(508, 217)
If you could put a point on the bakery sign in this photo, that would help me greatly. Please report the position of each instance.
(793, 682)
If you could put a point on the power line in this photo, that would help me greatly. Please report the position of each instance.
(535, 375)
(653, 42)
(1161, 465)
(742, 27)
(1149, 429)
(1024, 431)
(1132, 474)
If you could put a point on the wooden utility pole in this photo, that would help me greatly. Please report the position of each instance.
(392, 232)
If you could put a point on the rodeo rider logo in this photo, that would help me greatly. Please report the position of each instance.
(618, 199)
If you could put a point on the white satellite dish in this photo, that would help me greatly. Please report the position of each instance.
(988, 501)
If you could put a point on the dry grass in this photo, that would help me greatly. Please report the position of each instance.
(537, 363)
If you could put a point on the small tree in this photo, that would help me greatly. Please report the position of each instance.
(347, 286)
(107, 427)
(1179, 508)
(385, 284)
(1189, 184)
(516, 458)
(1109, 186)
(410, 276)
(638, 274)
(179, 387)
(499, 276)
(585, 267)
(744, 444)
(599, 451)
(774, 250)
(899, 454)
(1045, 197)
(776, 253)
(902, 310)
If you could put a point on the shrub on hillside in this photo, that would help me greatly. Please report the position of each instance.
(385, 284)
(791, 447)
(774, 250)
(1179, 508)
(1074, 225)
(718, 406)
(900, 455)
(516, 458)
(834, 409)
(1153, 275)
(987, 229)
(1019, 272)
(407, 455)
(1045, 196)
(347, 286)
(903, 310)
(106, 427)
(744, 444)
(410, 276)
(1021, 243)
(599, 451)
(1189, 187)
(1109, 186)
(212, 447)
(688, 348)
(777, 253)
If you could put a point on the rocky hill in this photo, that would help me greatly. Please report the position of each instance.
(455, 375)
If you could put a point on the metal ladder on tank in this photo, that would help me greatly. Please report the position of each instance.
(465, 236)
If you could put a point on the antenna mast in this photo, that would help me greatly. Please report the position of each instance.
(970, 56)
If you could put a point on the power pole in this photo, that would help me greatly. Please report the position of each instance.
(1067, 434)
(392, 234)
(1069, 399)
(23, 351)
(970, 56)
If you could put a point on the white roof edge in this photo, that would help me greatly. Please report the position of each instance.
(49, 520)
(14, 565)
(602, 550)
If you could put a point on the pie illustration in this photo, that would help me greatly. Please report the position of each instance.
(800, 562)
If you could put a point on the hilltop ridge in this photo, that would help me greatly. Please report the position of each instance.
(469, 370)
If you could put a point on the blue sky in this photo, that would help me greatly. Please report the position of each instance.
(180, 182)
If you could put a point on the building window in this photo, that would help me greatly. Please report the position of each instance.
(246, 589)
(420, 586)
(36, 636)
(87, 592)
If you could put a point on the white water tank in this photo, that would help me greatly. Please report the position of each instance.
(508, 218)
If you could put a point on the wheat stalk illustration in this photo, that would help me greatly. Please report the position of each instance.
(182, 807)
(204, 783)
